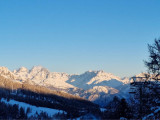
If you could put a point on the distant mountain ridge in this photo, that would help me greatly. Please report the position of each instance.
(91, 85)
(40, 75)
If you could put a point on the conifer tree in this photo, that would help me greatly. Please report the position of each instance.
(22, 113)
(153, 64)
(146, 88)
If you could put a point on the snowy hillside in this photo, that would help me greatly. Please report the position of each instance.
(33, 109)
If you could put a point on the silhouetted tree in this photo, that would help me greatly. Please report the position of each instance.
(124, 109)
(22, 114)
(113, 109)
(153, 64)
(15, 111)
(146, 89)
(28, 110)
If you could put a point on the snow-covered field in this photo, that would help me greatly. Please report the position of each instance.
(34, 109)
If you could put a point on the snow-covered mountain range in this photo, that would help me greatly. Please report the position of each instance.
(96, 86)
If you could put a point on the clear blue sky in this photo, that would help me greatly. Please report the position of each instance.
(74, 36)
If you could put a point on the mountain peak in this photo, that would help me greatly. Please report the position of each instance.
(4, 71)
(22, 69)
(37, 69)
(94, 72)
(98, 72)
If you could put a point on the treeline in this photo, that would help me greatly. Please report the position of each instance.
(117, 108)
(8, 111)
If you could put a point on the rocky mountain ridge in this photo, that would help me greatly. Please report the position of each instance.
(91, 85)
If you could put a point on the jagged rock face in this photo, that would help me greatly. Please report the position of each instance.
(6, 73)
(103, 89)
(22, 69)
(42, 76)
(99, 91)
(39, 71)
